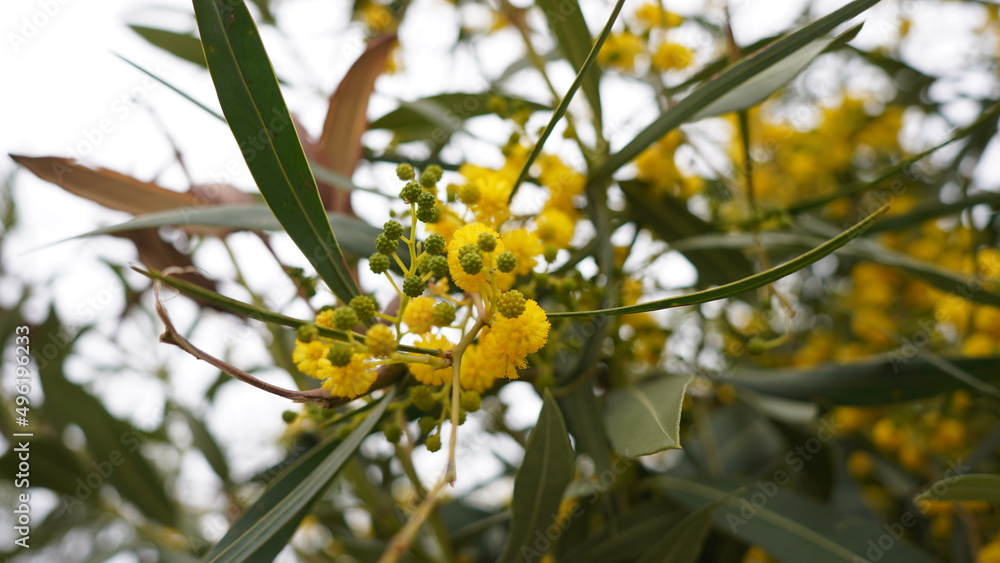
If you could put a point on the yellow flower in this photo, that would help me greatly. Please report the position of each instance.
(948, 436)
(652, 14)
(474, 372)
(307, 355)
(619, 51)
(563, 182)
(426, 374)
(349, 381)
(671, 56)
(494, 187)
(469, 234)
(526, 247)
(419, 314)
(555, 228)
(511, 340)
(979, 345)
(325, 318)
(446, 225)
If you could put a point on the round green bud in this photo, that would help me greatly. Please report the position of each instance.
(306, 333)
(289, 416)
(462, 415)
(443, 313)
(431, 175)
(386, 245)
(340, 354)
(410, 192)
(392, 432)
(426, 199)
(344, 318)
(472, 263)
(511, 304)
(428, 214)
(364, 306)
(468, 194)
(422, 398)
(426, 424)
(487, 242)
(468, 249)
(433, 442)
(506, 261)
(451, 193)
(392, 230)
(470, 401)
(550, 253)
(378, 263)
(434, 244)
(438, 266)
(404, 171)
(413, 286)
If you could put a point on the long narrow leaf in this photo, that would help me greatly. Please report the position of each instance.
(753, 282)
(566, 21)
(739, 74)
(264, 529)
(256, 112)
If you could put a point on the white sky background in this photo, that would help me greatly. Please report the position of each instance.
(64, 80)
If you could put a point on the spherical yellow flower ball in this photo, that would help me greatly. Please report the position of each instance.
(619, 51)
(306, 356)
(672, 56)
(887, 435)
(949, 435)
(349, 381)
(526, 247)
(427, 374)
(469, 234)
(419, 314)
(989, 554)
(979, 345)
(860, 464)
(511, 340)
(912, 456)
(474, 372)
(555, 228)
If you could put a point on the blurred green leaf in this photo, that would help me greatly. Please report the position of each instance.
(53, 466)
(637, 532)
(566, 21)
(265, 528)
(735, 288)
(669, 218)
(934, 211)
(539, 483)
(182, 45)
(171, 86)
(645, 419)
(355, 236)
(584, 420)
(202, 439)
(257, 114)
(790, 526)
(437, 117)
(701, 102)
(683, 543)
(895, 378)
(978, 487)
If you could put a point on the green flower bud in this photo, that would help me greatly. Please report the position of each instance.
(426, 424)
(428, 214)
(468, 194)
(413, 286)
(431, 175)
(426, 199)
(410, 192)
(433, 442)
(306, 333)
(511, 304)
(392, 230)
(472, 262)
(404, 171)
(438, 266)
(339, 354)
(386, 245)
(378, 263)
(506, 261)
(421, 397)
(344, 318)
(550, 253)
(434, 244)
(392, 432)
(487, 242)
(470, 401)
(289, 416)
(364, 306)
(443, 313)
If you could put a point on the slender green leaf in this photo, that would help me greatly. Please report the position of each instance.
(437, 117)
(683, 543)
(53, 466)
(645, 419)
(356, 236)
(539, 483)
(637, 532)
(581, 77)
(668, 217)
(981, 487)
(183, 45)
(264, 529)
(584, 421)
(256, 112)
(169, 85)
(753, 282)
(790, 526)
(935, 211)
(202, 439)
(573, 38)
(937, 276)
(897, 377)
(696, 104)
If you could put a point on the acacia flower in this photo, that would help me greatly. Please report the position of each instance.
(419, 314)
(511, 340)
(427, 374)
(475, 372)
(469, 234)
(349, 381)
(307, 356)
(555, 228)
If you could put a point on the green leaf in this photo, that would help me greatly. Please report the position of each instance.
(735, 288)
(585, 422)
(937, 276)
(540, 481)
(53, 466)
(637, 531)
(566, 21)
(980, 487)
(934, 211)
(894, 378)
(437, 117)
(182, 45)
(668, 217)
(169, 85)
(202, 439)
(701, 100)
(645, 419)
(683, 543)
(793, 527)
(256, 112)
(264, 529)
(112, 444)
(356, 236)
